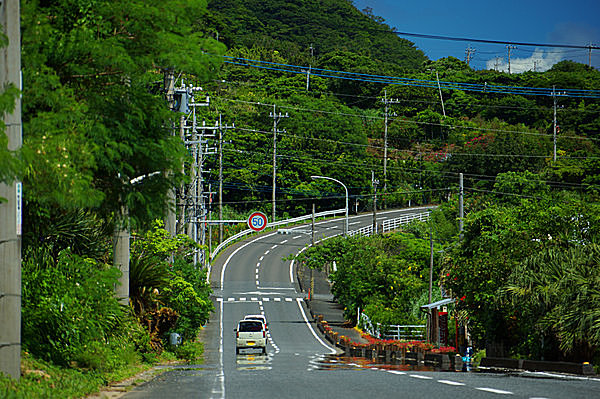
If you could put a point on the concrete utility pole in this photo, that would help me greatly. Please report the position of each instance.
(220, 150)
(509, 47)
(121, 255)
(309, 67)
(469, 52)
(374, 183)
(461, 212)
(10, 210)
(555, 125)
(276, 117)
(220, 180)
(169, 89)
(387, 114)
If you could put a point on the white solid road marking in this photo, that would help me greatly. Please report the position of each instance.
(235, 252)
(298, 301)
(422, 377)
(454, 383)
(396, 372)
(498, 391)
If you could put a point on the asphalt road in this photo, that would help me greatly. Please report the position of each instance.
(252, 277)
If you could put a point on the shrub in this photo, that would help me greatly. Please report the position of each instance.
(191, 351)
(68, 306)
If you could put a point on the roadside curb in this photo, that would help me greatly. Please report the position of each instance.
(495, 363)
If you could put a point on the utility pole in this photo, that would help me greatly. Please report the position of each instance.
(509, 47)
(469, 52)
(555, 126)
(169, 88)
(496, 63)
(440, 91)
(374, 183)
(430, 258)
(276, 117)
(220, 180)
(309, 66)
(10, 210)
(387, 103)
(312, 229)
(220, 150)
(460, 205)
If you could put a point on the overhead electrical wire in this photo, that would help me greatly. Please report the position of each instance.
(464, 39)
(390, 80)
(405, 100)
(401, 120)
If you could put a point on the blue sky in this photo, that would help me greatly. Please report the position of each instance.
(573, 22)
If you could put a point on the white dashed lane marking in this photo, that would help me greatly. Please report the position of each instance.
(454, 383)
(493, 390)
(422, 377)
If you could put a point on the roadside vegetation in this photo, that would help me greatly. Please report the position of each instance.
(95, 119)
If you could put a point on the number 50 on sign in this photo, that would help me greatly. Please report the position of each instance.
(257, 221)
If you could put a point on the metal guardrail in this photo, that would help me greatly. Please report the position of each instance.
(392, 224)
(280, 223)
(407, 332)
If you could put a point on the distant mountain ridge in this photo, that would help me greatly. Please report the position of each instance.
(330, 26)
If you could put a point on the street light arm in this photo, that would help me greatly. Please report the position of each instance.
(345, 189)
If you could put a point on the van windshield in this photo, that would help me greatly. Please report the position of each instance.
(250, 326)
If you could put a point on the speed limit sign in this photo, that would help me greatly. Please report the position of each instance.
(257, 221)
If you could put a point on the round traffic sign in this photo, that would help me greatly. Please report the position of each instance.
(257, 221)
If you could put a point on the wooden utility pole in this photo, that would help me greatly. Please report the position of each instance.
(10, 210)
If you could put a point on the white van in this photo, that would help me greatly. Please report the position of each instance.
(250, 334)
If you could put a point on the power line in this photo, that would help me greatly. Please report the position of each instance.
(401, 120)
(463, 39)
(390, 80)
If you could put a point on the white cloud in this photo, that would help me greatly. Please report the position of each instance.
(540, 61)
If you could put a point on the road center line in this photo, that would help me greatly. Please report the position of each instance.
(454, 383)
(498, 391)
(422, 377)
(236, 251)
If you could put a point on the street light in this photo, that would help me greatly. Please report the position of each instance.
(345, 188)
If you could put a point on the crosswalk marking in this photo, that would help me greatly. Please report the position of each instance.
(257, 299)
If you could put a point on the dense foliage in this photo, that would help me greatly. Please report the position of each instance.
(384, 276)
(94, 118)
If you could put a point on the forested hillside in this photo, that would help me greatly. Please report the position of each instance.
(338, 94)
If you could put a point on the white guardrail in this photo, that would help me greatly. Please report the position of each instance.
(280, 223)
(393, 224)
(405, 332)
(388, 225)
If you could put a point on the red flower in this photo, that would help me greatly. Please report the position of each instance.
(463, 297)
